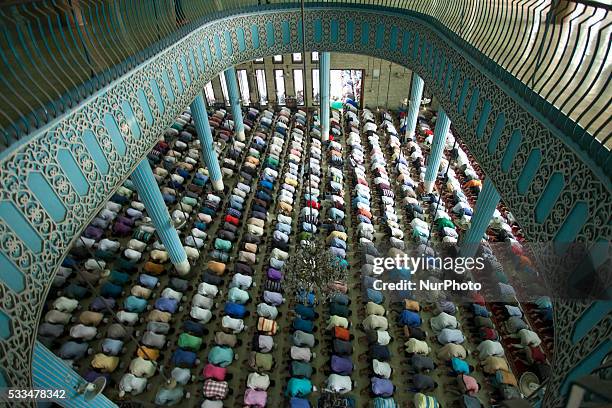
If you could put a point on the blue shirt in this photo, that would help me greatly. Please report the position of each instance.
(147, 281)
(450, 336)
(184, 358)
(303, 325)
(480, 310)
(166, 304)
(338, 243)
(135, 304)
(410, 318)
(112, 346)
(460, 366)
(235, 310)
(304, 311)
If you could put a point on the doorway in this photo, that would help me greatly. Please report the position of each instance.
(346, 85)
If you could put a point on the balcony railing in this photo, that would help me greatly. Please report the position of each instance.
(553, 53)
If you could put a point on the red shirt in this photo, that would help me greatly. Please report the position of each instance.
(479, 299)
(537, 355)
(488, 333)
(231, 219)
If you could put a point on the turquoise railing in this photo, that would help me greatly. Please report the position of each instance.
(555, 54)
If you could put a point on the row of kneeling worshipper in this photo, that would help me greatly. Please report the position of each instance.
(375, 323)
(193, 216)
(288, 136)
(196, 222)
(461, 189)
(299, 385)
(375, 320)
(202, 312)
(95, 269)
(247, 210)
(339, 338)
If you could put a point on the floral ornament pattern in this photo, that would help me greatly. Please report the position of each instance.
(417, 45)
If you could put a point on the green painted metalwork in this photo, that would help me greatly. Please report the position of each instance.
(553, 53)
(83, 133)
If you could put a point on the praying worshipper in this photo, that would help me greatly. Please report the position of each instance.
(66, 305)
(416, 332)
(425, 401)
(273, 298)
(528, 339)
(170, 396)
(299, 387)
(72, 350)
(410, 318)
(451, 350)
(213, 371)
(340, 384)
(201, 315)
(301, 354)
(221, 356)
(237, 295)
(489, 348)
(258, 381)
(255, 398)
(381, 337)
(80, 331)
(450, 336)
(443, 321)
(215, 390)
(421, 382)
(202, 301)
(468, 384)
(184, 358)
(261, 361)
(515, 323)
(381, 368)
(341, 365)
(267, 311)
(142, 368)
(104, 363)
(382, 387)
(262, 343)
(414, 346)
(131, 384)
(338, 321)
(302, 339)
(421, 364)
(181, 375)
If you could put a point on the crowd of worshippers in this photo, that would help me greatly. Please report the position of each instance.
(119, 265)
(261, 166)
(480, 328)
(364, 200)
(119, 261)
(276, 194)
(333, 231)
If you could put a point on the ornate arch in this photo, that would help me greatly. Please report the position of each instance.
(158, 90)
